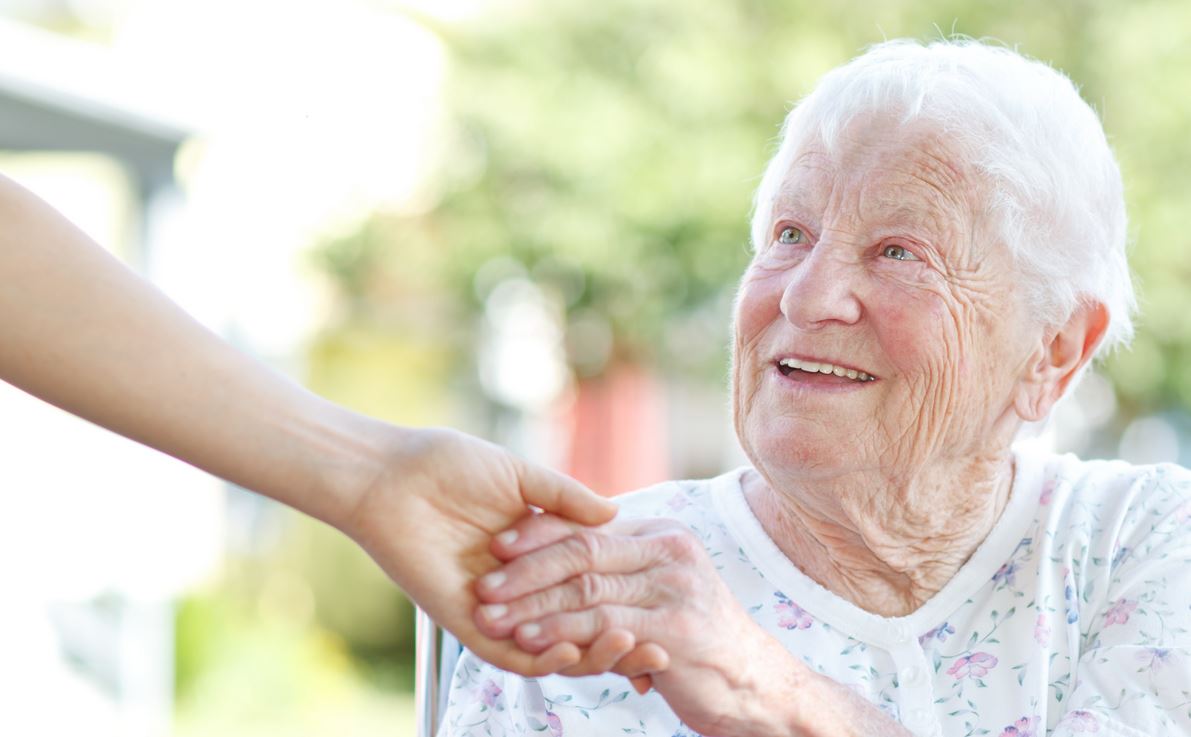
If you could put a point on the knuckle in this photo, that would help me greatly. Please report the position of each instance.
(586, 546)
(682, 545)
(589, 589)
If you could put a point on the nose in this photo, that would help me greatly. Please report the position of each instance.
(820, 290)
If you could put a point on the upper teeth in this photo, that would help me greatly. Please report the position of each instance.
(825, 368)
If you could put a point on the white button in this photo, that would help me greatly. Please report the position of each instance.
(899, 632)
(918, 718)
(910, 676)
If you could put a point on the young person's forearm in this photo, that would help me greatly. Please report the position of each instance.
(81, 331)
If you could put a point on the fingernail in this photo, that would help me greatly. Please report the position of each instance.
(530, 631)
(508, 537)
(493, 612)
(493, 580)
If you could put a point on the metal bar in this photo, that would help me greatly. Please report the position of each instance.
(425, 674)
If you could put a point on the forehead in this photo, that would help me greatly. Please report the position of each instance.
(883, 173)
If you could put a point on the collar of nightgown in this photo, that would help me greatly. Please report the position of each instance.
(885, 632)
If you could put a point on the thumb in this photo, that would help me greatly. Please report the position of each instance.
(563, 495)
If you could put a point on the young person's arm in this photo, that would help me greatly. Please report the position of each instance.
(80, 330)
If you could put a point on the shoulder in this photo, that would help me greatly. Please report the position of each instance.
(1113, 487)
(1114, 514)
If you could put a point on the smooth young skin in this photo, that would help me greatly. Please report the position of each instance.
(879, 261)
(81, 331)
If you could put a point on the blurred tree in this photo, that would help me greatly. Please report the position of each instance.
(611, 150)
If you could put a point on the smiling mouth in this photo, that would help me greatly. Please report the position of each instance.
(795, 367)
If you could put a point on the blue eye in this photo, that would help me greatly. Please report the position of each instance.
(898, 253)
(790, 235)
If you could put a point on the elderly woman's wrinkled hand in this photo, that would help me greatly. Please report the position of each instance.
(721, 673)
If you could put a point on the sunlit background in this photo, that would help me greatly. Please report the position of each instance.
(523, 218)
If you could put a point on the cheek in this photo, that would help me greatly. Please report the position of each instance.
(758, 304)
(919, 336)
(947, 353)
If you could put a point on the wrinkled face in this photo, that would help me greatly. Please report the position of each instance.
(877, 264)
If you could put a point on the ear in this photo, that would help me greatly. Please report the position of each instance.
(1059, 359)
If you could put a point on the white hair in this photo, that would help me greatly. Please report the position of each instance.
(1054, 188)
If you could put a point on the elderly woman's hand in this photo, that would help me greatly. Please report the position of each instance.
(653, 578)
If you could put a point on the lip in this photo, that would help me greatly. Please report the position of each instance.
(811, 359)
(803, 386)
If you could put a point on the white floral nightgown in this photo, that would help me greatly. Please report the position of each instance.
(1072, 618)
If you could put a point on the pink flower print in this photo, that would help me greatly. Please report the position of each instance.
(490, 693)
(1119, 612)
(1183, 513)
(976, 665)
(1024, 727)
(1042, 631)
(791, 616)
(1081, 721)
(1048, 490)
(554, 723)
(678, 502)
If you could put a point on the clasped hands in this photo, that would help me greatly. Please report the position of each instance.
(643, 599)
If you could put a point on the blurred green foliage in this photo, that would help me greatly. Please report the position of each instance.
(611, 149)
(305, 636)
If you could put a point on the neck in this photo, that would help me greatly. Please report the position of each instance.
(886, 543)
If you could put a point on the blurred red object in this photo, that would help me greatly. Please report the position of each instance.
(619, 439)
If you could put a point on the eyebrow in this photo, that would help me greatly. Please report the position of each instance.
(934, 210)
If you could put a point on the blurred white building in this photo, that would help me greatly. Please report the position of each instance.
(97, 533)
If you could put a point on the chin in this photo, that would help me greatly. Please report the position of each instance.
(798, 448)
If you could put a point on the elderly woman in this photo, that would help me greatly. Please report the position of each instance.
(938, 254)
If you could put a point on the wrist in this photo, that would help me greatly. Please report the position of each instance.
(343, 455)
(826, 708)
(794, 700)
(774, 689)
(805, 712)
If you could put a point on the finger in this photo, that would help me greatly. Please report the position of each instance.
(530, 533)
(581, 628)
(646, 658)
(508, 656)
(557, 657)
(639, 665)
(553, 492)
(641, 684)
(584, 551)
(607, 650)
(587, 590)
